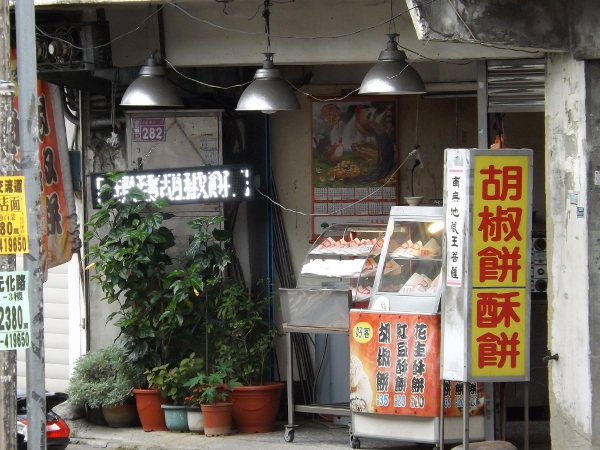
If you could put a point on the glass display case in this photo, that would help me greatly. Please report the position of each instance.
(409, 275)
(336, 275)
(337, 257)
(395, 387)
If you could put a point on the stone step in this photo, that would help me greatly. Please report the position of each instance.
(488, 445)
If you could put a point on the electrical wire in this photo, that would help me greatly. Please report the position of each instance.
(477, 41)
(106, 43)
(389, 179)
(351, 33)
(279, 36)
(321, 99)
(355, 90)
(202, 83)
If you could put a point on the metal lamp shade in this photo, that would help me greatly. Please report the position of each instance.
(151, 88)
(268, 92)
(392, 75)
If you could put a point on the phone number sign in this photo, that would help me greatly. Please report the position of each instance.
(14, 310)
(13, 219)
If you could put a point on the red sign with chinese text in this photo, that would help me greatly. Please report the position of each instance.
(394, 367)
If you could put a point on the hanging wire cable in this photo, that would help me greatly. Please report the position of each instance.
(407, 64)
(234, 30)
(266, 15)
(279, 36)
(202, 83)
(322, 99)
(107, 43)
(333, 213)
(477, 41)
(392, 22)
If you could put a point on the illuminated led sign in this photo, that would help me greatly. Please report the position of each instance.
(207, 184)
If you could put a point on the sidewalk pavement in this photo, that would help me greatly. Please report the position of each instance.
(310, 435)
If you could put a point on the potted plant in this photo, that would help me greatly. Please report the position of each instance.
(105, 379)
(128, 252)
(246, 338)
(210, 393)
(172, 383)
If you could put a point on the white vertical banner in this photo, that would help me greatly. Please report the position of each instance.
(454, 220)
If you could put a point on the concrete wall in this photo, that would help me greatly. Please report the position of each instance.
(592, 74)
(442, 123)
(568, 297)
(100, 157)
(192, 42)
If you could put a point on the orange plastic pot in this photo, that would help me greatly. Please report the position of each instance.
(217, 419)
(255, 407)
(148, 403)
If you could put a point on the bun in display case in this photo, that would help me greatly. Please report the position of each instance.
(409, 274)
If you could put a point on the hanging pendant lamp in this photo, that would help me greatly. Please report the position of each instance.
(392, 75)
(151, 88)
(268, 92)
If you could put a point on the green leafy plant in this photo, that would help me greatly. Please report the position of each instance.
(172, 382)
(243, 333)
(102, 378)
(128, 251)
(206, 253)
(212, 388)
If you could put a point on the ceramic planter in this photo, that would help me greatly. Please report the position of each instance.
(95, 416)
(176, 417)
(217, 419)
(255, 407)
(121, 416)
(195, 419)
(148, 402)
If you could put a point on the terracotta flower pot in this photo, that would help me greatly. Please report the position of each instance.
(121, 416)
(255, 407)
(217, 419)
(148, 402)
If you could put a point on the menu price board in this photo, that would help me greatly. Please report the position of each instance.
(14, 310)
(394, 367)
(13, 216)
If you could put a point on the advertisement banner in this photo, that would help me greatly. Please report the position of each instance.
(59, 227)
(394, 367)
(14, 311)
(13, 216)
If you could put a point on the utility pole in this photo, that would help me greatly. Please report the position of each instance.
(8, 358)
(30, 166)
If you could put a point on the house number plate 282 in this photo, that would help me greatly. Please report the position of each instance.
(148, 130)
(14, 310)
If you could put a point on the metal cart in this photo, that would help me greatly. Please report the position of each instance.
(328, 287)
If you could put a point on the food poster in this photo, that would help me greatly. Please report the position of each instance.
(354, 154)
(394, 367)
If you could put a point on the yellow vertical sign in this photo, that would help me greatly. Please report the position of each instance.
(501, 200)
(13, 216)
